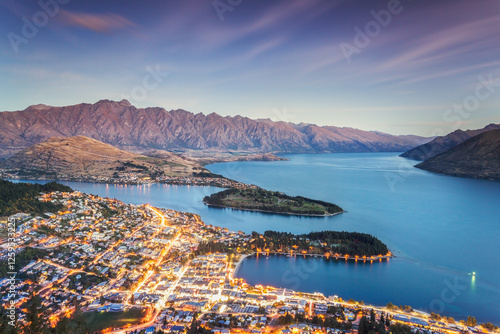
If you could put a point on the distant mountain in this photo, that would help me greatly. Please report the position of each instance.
(477, 157)
(124, 126)
(444, 143)
(83, 157)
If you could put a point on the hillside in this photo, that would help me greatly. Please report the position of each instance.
(81, 157)
(122, 125)
(23, 197)
(442, 144)
(477, 157)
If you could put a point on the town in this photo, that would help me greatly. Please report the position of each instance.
(139, 269)
(135, 178)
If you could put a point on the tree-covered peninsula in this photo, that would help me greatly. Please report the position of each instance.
(258, 199)
(329, 243)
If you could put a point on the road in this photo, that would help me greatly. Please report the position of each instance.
(164, 252)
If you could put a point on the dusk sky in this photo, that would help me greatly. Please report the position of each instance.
(297, 61)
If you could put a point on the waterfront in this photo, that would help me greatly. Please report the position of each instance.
(440, 228)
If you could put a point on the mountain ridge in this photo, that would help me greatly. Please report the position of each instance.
(443, 143)
(138, 129)
(477, 157)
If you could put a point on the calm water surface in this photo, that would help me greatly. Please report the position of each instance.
(440, 228)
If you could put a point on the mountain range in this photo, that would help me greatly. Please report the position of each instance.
(442, 144)
(142, 129)
(477, 157)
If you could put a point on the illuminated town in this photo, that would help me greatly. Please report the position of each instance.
(147, 268)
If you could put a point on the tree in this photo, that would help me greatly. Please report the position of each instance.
(299, 317)
(364, 325)
(63, 326)
(102, 301)
(489, 326)
(193, 329)
(471, 321)
(400, 329)
(372, 319)
(285, 320)
(381, 324)
(435, 316)
(79, 321)
(132, 299)
(37, 321)
(6, 326)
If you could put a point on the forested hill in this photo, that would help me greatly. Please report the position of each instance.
(352, 243)
(258, 199)
(23, 197)
(329, 243)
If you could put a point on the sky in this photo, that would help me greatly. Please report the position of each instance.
(420, 67)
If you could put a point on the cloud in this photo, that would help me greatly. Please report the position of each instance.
(95, 22)
(274, 18)
(46, 75)
(445, 44)
(454, 71)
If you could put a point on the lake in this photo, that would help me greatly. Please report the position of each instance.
(441, 228)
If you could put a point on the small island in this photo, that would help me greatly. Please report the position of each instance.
(258, 199)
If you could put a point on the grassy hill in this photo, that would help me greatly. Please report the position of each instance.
(81, 157)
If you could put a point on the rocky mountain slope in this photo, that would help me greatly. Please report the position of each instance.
(442, 144)
(124, 126)
(477, 157)
(83, 157)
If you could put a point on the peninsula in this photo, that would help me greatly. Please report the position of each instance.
(258, 199)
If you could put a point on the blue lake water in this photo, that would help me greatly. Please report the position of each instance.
(440, 228)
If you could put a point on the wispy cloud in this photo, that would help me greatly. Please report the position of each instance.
(442, 45)
(275, 16)
(95, 22)
(454, 71)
